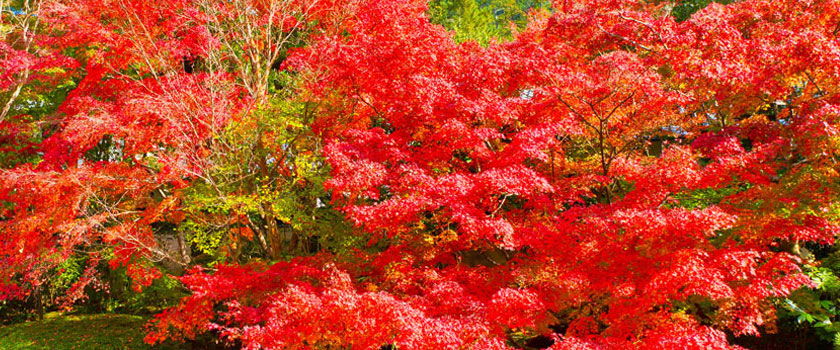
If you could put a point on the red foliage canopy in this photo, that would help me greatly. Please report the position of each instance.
(587, 182)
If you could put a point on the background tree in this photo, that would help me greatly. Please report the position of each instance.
(179, 137)
(483, 21)
(522, 181)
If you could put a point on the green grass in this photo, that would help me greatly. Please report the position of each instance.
(80, 332)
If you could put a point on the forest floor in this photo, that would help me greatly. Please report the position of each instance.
(80, 332)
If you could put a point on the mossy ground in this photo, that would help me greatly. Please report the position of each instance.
(80, 332)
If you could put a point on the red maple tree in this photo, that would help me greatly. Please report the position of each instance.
(610, 178)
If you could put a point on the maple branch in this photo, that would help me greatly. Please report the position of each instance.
(649, 27)
(601, 137)
(621, 37)
(575, 112)
(488, 145)
(14, 96)
(664, 200)
(501, 204)
(135, 41)
(28, 41)
(633, 93)
(602, 99)
(820, 91)
(568, 105)
(365, 102)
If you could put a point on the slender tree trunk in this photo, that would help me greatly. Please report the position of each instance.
(182, 248)
(273, 234)
(39, 302)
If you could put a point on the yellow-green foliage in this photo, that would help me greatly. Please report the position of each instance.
(267, 166)
(482, 20)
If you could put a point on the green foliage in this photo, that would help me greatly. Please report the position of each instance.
(263, 196)
(685, 8)
(482, 20)
(49, 294)
(818, 308)
(68, 273)
(121, 297)
(706, 197)
(23, 125)
(14, 311)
